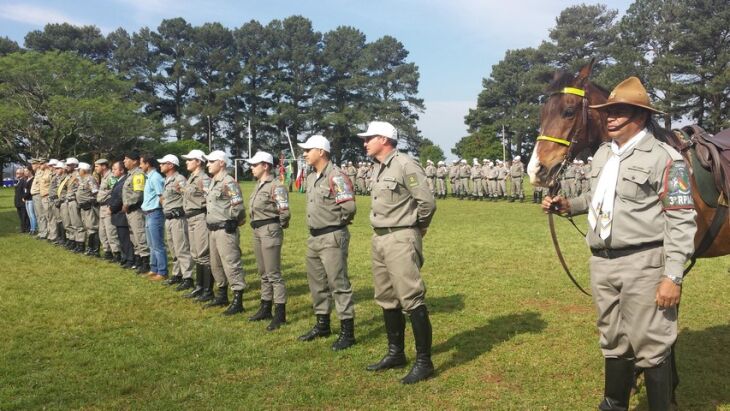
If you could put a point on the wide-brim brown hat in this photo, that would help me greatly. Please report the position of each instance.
(630, 92)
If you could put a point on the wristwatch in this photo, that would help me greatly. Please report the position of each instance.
(676, 279)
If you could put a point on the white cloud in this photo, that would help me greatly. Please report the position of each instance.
(150, 11)
(443, 122)
(34, 15)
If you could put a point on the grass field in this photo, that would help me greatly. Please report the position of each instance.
(510, 331)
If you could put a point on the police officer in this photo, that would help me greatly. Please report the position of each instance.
(269, 216)
(486, 194)
(330, 208)
(224, 213)
(86, 194)
(516, 174)
(194, 206)
(62, 193)
(108, 236)
(430, 174)
(464, 172)
(587, 172)
(569, 180)
(476, 179)
(54, 214)
(441, 173)
(76, 227)
(132, 197)
(360, 178)
(454, 178)
(176, 226)
(351, 171)
(642, 222)
(402, 209)
(502, 172)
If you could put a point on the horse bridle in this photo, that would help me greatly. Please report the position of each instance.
(553, 184)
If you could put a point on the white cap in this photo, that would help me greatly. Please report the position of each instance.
(456, 161)
(60, 164)
(215, 156)
(72, 160)
(485, 160)
(517, 158)
(169, 158)
(429, 161)
(316, 141)
(195, 155)
(590, 158)
(463, 160)
(261, 157)
(85, 166)
(380, 128)
(52, 162)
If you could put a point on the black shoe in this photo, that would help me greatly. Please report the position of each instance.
(117, 257)
(346, 338)
(79, 248)
(659, 386)
(198, 282)
(144, 265)
(395, 327)
(236, 306)
(136, 262)
(186, 284)
(321, 328)
(618, 381)
(220, 300)
(264, 312)
(108, 255)
(279, 317)
(422, 333)
(174, 279)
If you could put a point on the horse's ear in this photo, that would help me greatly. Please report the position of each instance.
(585, 72)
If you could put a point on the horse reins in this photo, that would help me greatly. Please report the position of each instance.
(554, 184)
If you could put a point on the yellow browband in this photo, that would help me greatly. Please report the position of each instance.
(573, 90)
(554, 140)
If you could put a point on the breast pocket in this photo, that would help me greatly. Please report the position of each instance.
(634, 185)
(389, 191)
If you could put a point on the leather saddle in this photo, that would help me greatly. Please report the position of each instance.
(710, 159)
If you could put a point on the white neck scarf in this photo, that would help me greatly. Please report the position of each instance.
(601, 209)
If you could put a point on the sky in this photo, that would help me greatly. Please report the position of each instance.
(454, 43)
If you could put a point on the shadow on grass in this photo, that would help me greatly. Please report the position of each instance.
(469, 345)
(702, 362)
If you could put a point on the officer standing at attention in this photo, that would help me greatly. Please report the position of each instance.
(502, 172)
(107, 230)
(430, 174)
(61, 194)
(642, 228)
(464, 173)
(224, 213)
(269, 208)
(77, 225)
(330, 208)
(402, 209)
(54, 212)
(516, 174)
(176, 226)
(476, 179)
(132, 197)
(86, 193)
(194, 194)
(441, 173)
(351, 171)
(587, 170)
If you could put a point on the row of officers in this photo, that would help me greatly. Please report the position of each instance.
(202, 214)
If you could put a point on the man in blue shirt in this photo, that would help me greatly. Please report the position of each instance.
(154, 218)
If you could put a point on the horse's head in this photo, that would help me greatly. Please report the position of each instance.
(567, 125)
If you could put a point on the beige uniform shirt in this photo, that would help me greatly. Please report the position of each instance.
(464, 171)
(172, 194)
(476, 172)
(44, 181)
(35, 188)
(195, 190)
(72, 184)
(86, 190)
(485, 171)
(441, 172)
(270, 200)
(430, 171)
(400, 195)
(653, 202)
(105, 188)
(453, 171)
(330, 198)
(502, 172)
(517, 170)
(224, 200)
(133, 189)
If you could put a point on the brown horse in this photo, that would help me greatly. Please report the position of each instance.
(569, 127)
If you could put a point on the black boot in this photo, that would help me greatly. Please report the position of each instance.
(95, 245)
(321, 328)
(198, 282)
(264, 312)
(346, 339)
(186, 284)
(221, 299)
(422, 333)
(79, 248)
(174, 279)
(617, 386)
(108, 255)
(279, 317)
(117, 257)
(236, 306)
(136, 262)
(207, 293)
(144, 265)
(659, 386)
(395, 327)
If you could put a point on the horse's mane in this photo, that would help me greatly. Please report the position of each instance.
(564, 79)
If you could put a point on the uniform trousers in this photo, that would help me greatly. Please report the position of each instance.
(267, 241)
(327, 273)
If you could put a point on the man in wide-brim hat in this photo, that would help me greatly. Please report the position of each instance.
(642, 227)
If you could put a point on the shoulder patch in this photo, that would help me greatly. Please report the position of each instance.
(342, 188)
(234, 191)
(677, 192)
(138, 182)
(412, 180)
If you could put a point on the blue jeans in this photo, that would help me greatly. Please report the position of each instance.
(31, 216)
(154, 225)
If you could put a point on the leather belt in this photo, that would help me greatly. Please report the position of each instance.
(216, 226)
(316, 232)
(260, 223)
(193, 213)
(388, 230)
(623, 252)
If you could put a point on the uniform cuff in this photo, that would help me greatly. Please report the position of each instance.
(673, 269)
(578, 205)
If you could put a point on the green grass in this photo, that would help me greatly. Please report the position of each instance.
(510, 331)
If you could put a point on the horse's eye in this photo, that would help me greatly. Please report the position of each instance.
(569, 112)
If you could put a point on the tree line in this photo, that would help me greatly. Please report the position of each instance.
(72, 90)
(680, 49)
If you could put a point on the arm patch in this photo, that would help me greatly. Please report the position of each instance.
(342, 188)
(281, 197)
(677, 191)
(412, 180)
(234, 191)
(138, 182)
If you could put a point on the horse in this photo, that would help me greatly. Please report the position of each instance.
(569, 127)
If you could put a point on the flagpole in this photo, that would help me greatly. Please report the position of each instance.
(504, 145)
(291, 147)
(249, 139)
